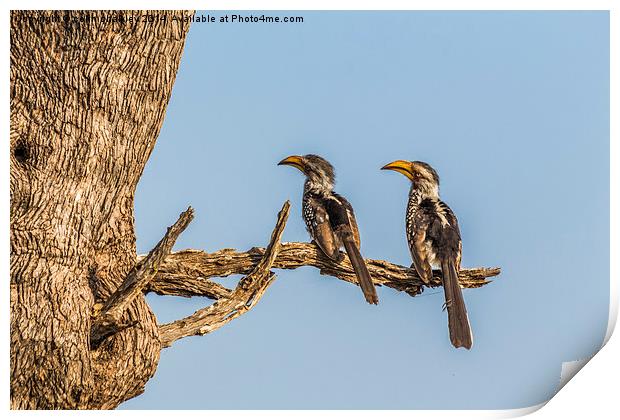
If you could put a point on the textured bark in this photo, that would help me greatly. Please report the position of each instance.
(248, 292)
(186, 273)
(108, 321)
(88, 99)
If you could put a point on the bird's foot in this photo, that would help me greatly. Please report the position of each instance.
(445, 305)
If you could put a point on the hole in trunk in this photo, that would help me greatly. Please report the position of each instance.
(21, 152)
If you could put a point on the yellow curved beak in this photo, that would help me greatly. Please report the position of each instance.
(296, 161)
(403, 166)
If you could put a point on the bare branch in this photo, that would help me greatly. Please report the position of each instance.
(109, 320)
(248, 292)
(186, 273)
(180, 282)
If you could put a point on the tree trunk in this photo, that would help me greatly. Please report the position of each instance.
(88, 98)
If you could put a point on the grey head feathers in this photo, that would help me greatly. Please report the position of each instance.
(320, 173)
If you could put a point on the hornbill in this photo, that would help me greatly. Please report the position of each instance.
(435, 240)
(329, 217)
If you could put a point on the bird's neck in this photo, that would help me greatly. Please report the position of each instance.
(318, 186)
(422, 191)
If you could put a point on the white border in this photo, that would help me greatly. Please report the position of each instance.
(326, 4)
(596, 389)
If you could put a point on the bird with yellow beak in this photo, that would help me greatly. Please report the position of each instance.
(330, 219)
(434, 239)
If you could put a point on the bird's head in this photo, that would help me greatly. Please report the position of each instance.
(422, 176)
(318, 171)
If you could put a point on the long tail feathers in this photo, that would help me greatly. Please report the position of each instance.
(361, 271)
(458, 322)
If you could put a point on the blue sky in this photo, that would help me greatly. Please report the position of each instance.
(511, 108)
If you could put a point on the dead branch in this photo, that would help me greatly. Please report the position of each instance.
(230, 305)
(187, 273)
(109, 320)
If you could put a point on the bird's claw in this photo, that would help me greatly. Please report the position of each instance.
(445, 305)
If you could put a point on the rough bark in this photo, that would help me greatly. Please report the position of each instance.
(88, 99)
(186, 273)
(89, 92)
(248, 292)
(108, 320)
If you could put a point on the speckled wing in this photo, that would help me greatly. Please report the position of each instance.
(350, 217)
(443, 244)
(443, 232)
(342, 220)
(319, 227)
(417, 229)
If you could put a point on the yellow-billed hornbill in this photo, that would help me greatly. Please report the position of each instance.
(329, 217)
(435, 240)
